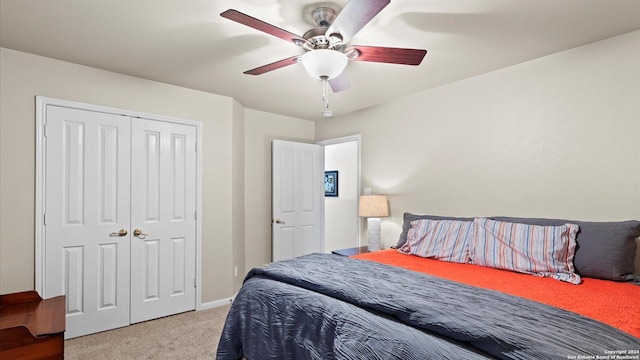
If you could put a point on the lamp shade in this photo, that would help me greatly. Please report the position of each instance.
(324, 62)
(373, 206)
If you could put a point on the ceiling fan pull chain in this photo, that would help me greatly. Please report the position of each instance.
(325, 91)
(326, 113)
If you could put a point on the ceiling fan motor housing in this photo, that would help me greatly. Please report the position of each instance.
(317, 38)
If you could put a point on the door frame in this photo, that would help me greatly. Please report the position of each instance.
(40, 194)
(342, 140)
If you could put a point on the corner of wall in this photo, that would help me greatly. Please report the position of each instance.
(238, 191)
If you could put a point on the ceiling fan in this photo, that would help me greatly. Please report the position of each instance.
(326, 50)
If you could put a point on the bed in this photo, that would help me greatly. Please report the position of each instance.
(431, 298)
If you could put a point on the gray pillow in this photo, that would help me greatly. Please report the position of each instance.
(409, 217)
(606, 250)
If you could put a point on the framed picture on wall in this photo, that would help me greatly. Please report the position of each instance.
(331, 183)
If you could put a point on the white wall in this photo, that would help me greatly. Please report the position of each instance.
(236, 162)
(341, 213)
(238, 187)
(24, 76)
(554, 137)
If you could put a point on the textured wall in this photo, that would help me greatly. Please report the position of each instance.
(24, 76)
(555, 137)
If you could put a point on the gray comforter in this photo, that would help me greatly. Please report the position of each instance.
(323, 306)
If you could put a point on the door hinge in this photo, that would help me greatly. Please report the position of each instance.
(195, 214)
(195, 283)
(45, 130)
(196, 146)
(44, 219)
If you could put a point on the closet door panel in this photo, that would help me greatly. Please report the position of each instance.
(163, 208)
(87, 206)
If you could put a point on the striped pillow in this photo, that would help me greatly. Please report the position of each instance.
(446, 240)
(533, 249)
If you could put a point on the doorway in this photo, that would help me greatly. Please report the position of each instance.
(342, 224)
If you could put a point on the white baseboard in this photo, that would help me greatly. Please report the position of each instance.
(216, 303)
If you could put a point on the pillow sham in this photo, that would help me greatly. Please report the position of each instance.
(605, 250)
(540, 250)
(446, 240)
(409, 217)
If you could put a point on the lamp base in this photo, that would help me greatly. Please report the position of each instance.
(373, 233)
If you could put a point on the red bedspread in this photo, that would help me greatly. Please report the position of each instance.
(613, 303)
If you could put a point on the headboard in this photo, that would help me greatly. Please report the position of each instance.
(637, 273)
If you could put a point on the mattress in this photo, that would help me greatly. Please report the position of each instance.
(611, 302)
(323, 306)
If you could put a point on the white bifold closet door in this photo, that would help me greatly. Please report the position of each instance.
(87, 217)
(163, 203)
(119, 218)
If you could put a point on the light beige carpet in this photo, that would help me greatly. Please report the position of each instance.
(190, 335)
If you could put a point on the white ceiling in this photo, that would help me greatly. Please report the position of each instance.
(187, 43)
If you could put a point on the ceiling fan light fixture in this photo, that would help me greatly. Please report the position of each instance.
(324, 63)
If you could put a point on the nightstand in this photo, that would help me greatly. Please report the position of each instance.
(351, 251)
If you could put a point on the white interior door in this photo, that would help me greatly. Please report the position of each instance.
(87, 217)
(163, 203)
(298, 199)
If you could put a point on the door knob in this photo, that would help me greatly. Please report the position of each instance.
(138, 232)
(279, 221)
(122, 232)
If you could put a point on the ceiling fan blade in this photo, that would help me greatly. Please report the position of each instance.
(340, 83)
(257, 24)
(354, 16)
(273, 66)
(387, 54)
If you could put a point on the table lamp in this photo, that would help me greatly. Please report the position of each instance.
(373, 207)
